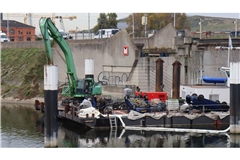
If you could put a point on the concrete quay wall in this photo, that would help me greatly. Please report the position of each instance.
(115, 69)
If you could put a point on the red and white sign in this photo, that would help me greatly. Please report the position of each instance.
(125, 50)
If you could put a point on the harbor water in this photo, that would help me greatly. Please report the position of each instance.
(22, 127)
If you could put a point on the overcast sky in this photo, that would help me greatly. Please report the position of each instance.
(87, 12)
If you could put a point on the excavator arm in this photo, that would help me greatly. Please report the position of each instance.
(48, 29)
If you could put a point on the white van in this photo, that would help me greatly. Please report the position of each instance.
(64, 34)
(4, 37)
(105, 33)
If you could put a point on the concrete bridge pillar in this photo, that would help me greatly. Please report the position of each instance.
(140, 47)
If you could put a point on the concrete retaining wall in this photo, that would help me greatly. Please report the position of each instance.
(162, 38)
(110, 63)
(107, 54)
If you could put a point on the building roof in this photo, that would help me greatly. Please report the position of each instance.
(13, 23)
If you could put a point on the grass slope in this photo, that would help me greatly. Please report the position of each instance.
(214, 24)
(22, 72)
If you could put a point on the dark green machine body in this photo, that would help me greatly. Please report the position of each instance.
(76, 89)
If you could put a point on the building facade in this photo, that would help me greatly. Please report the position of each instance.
(18, 32)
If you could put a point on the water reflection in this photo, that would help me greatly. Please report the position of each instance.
(140, 139)
(23, 127)
(18, 127)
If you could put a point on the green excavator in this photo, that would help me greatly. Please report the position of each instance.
(75, 89)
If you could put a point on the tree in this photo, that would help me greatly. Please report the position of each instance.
(138, 27)
(106, 21)
(155, 21)
(182, 22)
(112, 20)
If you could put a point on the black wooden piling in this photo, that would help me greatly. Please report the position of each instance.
(176, 79)
(159, 75)
(51, 106)
(234, 97)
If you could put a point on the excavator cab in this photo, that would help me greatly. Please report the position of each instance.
(87, 87)
(84, 87)
(80, 87)
(88, 83)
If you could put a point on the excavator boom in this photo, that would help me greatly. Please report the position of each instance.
(48, 29)
(76, 88)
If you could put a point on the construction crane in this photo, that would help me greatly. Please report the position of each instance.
(17, 15)
(61, 23)
(61, 20)
(25, 16)
(29, 16)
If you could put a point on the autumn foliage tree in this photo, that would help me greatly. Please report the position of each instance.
(104, 21)
(155, 21)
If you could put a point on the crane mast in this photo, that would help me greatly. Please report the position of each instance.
(61, 22)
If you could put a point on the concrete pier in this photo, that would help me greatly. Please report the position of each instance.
(234, 97)
(51, 106)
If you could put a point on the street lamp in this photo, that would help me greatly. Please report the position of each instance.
(133, 24)
(76, 33)
(200, 25)
(235, 22)
(144, 22)
(7, 26)
(174, 21)
(89, 35)
(101, 21)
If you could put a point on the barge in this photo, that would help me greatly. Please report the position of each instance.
(195, 113)
(121, 119)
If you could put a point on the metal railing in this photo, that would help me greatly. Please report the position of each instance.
(80, 36)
